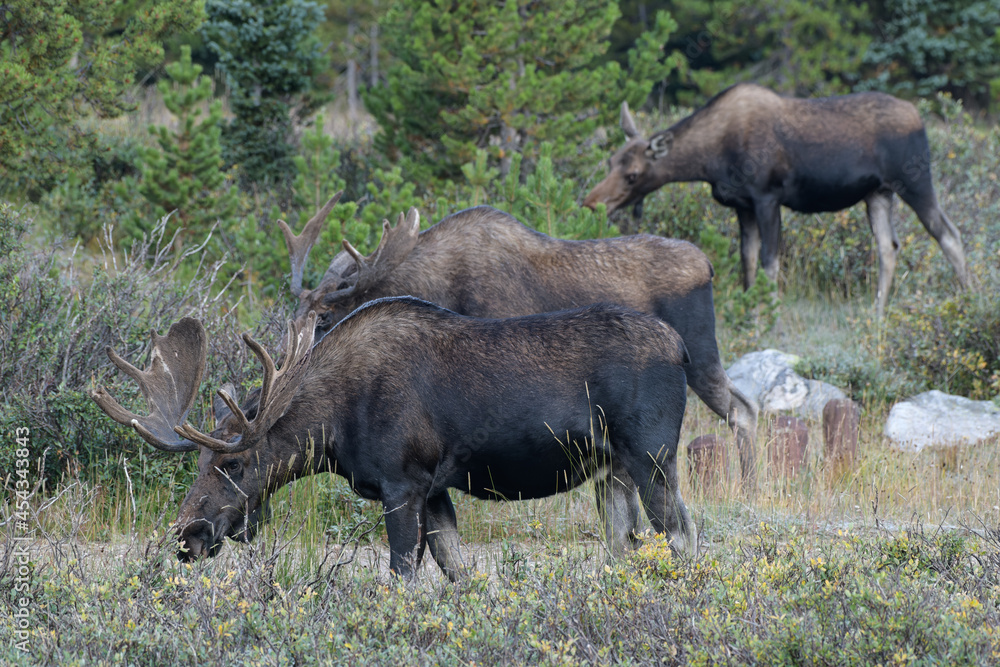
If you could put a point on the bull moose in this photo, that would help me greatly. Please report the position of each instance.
(394, 399)
(760, 151)
(485, 263)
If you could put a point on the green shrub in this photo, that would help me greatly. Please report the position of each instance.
(542, 198)
(98, 188)
(183, 174)
(923, 46)
(952, 344)
(865, 379)
(829, 254)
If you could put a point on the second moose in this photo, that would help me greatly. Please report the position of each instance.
(484, 263)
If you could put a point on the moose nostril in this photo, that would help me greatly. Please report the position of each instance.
(194, 544)
(191, 549)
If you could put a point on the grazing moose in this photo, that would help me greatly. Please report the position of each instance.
(760, 151)
(405, 400)
(484, 263)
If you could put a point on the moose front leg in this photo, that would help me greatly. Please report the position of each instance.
(618, 507)
(749, 245)
(656, 471)
(768, 213)
(405, 524)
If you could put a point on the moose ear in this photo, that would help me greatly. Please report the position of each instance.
(659, 145)
(219, 406)
(627, 124)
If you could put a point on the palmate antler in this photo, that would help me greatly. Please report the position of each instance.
(278, 390)
(394, 246)
(349, 271)
(170, 384)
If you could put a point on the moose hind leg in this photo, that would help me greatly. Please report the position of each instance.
(442, 535)
(942, 229)
(880, 205)
(618, 507)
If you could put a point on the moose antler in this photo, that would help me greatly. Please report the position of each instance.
(276, 393)
(169, 384)
(300, 245)
(396, 243)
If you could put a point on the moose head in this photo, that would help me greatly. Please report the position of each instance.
(246, 457)
(632, 172)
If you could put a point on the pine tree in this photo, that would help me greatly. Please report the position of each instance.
(923, 46)
(271, 57)
(501, 76)
(185, 173)
(350, 35)
(801, 47)
(62, 60)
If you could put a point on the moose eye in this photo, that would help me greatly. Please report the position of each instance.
(631, 178)
(232, 466)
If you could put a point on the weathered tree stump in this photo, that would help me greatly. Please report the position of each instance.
(707, 460)
(789, 437)
(841, 428)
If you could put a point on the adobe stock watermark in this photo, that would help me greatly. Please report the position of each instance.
(23, 532)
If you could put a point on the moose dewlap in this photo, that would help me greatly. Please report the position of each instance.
(406, 400)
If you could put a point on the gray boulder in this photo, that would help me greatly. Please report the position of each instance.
(767, 377)
(937, 418)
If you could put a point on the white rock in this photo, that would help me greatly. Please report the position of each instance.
(767, 378)
(937, 418)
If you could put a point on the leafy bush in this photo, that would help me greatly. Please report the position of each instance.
(832, 253)
(58, 314)
(767, 596)
(952, 344)
(98, 188)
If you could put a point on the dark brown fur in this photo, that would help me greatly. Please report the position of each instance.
(405, 400)
(760, 151)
